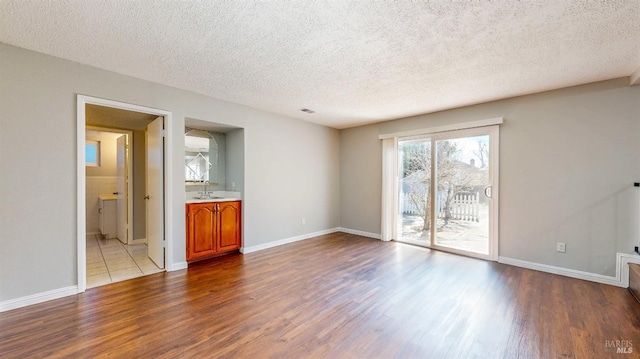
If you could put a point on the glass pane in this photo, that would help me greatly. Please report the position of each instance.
(462, 209)
(414, 173)
(91, 153)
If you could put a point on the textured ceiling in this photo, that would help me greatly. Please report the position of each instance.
(350, 62)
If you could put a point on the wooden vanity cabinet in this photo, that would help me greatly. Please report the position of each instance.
(213, 228)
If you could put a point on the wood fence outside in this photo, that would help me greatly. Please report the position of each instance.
(464, 207)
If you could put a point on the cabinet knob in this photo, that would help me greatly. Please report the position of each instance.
(146, 197)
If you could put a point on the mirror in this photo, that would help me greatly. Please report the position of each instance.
(201, 157)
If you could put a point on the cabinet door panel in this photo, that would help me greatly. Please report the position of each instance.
(229, 235)
(201, 230)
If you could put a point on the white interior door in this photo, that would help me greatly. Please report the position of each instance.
(122, 190)
(155, 191)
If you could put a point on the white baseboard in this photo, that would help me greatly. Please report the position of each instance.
(620, 280)
(260, 247)
(38, 298)
(177, 266)
(92, 233)
(360, 233)
(622, 269)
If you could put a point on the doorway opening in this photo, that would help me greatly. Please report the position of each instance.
(123, 231)
(116, 245)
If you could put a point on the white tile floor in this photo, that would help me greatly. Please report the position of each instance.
(109, 261)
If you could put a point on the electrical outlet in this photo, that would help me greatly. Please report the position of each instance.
(303, 222)
(561, 247)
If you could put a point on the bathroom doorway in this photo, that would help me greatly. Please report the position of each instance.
(115, 149)
(116, 247)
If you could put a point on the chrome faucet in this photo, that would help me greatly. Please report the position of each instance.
(205, 194)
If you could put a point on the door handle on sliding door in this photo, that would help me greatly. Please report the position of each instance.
(487, 191)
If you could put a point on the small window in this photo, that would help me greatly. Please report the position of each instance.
(92, 153)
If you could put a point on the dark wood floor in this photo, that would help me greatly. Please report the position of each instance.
(335, 296)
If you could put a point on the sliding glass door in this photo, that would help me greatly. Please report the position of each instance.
(414, 190)
(447, 191)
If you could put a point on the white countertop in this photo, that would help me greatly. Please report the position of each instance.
(216, 196)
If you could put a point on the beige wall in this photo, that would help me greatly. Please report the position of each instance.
(291, 167)
(568, 159)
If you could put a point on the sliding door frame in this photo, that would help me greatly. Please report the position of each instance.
(478, 128)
